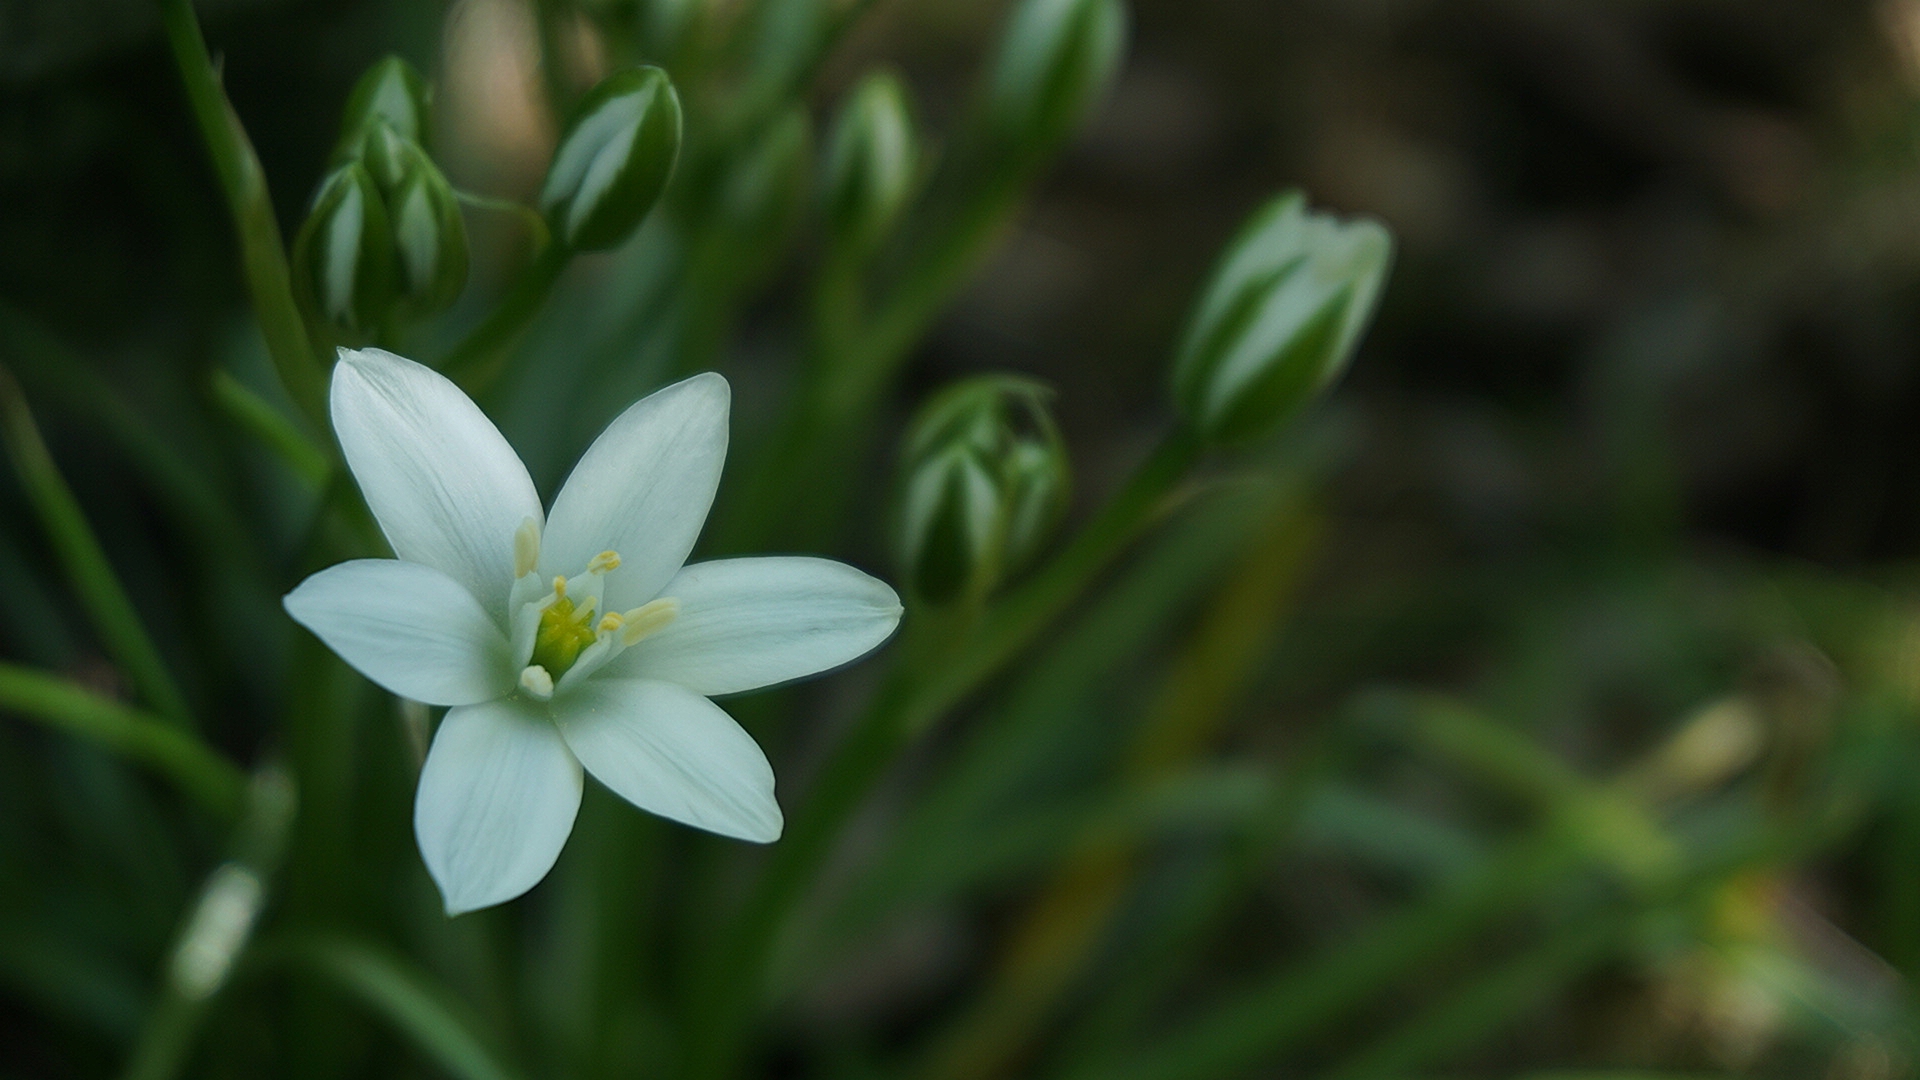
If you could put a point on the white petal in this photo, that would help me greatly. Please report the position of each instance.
(666, 749)
(408, 627)
(643, 489)
(497, 799)
(747, 623)
(447, 489)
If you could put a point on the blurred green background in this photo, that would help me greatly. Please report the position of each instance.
(1542, 705)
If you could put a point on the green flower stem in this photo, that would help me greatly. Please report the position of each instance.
(263, 256)
(251, 412)
(481, 356)
(931, 677)
(850, 372)
(86, 563)
(200, 772)
(1067, 922)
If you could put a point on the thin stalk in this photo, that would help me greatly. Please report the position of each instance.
(86, 562)
(263, 255)
(481, 356)
(250, 411)
(926, 682)
(200, 772)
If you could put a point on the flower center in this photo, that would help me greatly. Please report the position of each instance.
(558, 632)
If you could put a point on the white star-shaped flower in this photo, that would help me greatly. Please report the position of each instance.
(566, 640)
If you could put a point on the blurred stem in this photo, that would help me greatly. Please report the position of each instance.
(481, 356)
(1066, 923)
(929, 677)
(1300, 1001)
(1495, 1000)
(263, 256)
(200, 772)
(420, 1010)
(249, 410)
(76, 546)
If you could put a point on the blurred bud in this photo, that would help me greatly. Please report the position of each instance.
(429, 234)
(870, 161)
(1279, 320)
(1056, 59)
(986, 483)
(429, 239)
(764, 191)
(343, 254)
(613, 160)
(391, 92)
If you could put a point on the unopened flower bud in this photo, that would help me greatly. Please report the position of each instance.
(986, 484)
(613, 160)
(391, 92)
(870, 161)
(429, 239)
(343, 255)
(1056, 59)
(1280, 319)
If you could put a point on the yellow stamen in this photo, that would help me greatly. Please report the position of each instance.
(560, 587)
(610, 622)
(605, 562)
(526, 548)
(648, 619)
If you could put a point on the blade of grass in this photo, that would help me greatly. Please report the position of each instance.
(92, 575)
(254, 415)
(200, 772)
(263, 256)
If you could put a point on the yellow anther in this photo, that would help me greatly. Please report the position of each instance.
(560, 587)
(610, 622)
(648, 619)
(526, 548)
(535, 680)
(604, 562)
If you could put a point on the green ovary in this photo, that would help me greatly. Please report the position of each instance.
(564, 632)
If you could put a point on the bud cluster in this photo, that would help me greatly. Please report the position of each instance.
(384, 234)
(985, 484)
(1280, 319)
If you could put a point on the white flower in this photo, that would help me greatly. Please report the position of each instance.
(570, 640)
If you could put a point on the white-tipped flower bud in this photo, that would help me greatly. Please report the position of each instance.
(613, 160)
(343, 255)
(870, 161)
(986, 483)
(429, 239)
(1055, 61)
(1280, 319)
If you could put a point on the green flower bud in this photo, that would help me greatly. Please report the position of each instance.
(343, 259)
(391, 92)
(870, 161)
(986, 484)
(1056, 59)
(1280, 319)
(613, 160)
(429, 237)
